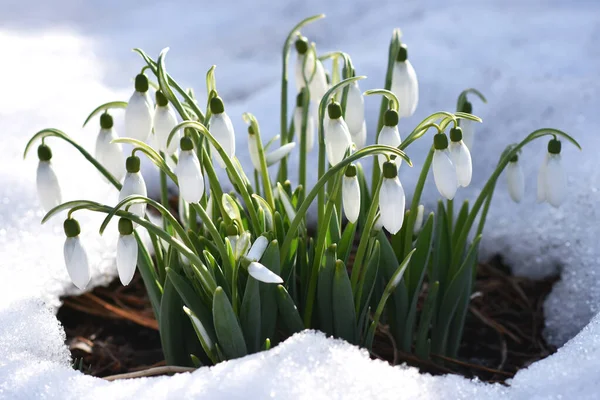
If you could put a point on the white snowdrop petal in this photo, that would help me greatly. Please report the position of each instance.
(138, 116)
(76, 262)
(134, 184)
(351, 198)
(355, 110)
(378, 223)
(461, 158)
(318, 86)
(262, 273)
(515, 181)
(541, 181)
(277, 154)
(444, 174)
(110, 155)
(406, 88)
(389, 136)
(127, 253)
(337, 140)
(48, 188)
(391, 204)
(556, 181)
(360, 138)
(200, 328)
(253, 150)
(258, 248)
(419, 220)
(189, 175)
(222, 130)
(468, 132)
(310, 128)
(164, 122)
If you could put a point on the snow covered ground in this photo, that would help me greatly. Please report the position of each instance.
(537, 62)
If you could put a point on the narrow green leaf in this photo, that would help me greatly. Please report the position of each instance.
(288, 312)
(268, 294)
(325, 291)
(423, 343)
(344, 315)
(346, 242)
(228, 330)
(250, 315)
(365, 294)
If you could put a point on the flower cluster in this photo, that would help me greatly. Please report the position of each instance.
(243, 268)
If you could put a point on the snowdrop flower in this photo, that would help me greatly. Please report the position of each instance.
(468, 126)
(391, 199)
(164, 122)
(389, 136)
(257, 270)
(48, 188)
(552, 180)
(355, 115)
(110, 155)
(270, 158)
(404, 84)
(318, 86)
(75, 255)
(444, 171)
(461, 157)
(134, 184)
(138, 114)
(222, 129)
(515, 179)
(337, 137)
(351, 194)
(233, 235)
(310, 123)
(127, 251)
(189, 173)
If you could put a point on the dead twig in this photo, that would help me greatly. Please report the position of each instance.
(166, 370)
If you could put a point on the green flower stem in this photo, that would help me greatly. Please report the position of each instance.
(450, 214)
(319, 251)
(249, 118)
(489, 186)
(303, 143)
(322, 107)
(392, 99)
(462, 98)
(214, 232)
(164, 195)
(284, 84)
(302, 210)
(44, 133)
(104, 107)
(230, 168)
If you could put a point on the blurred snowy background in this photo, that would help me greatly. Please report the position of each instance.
(536, 61)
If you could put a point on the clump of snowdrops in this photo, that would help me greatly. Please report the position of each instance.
(239, 271)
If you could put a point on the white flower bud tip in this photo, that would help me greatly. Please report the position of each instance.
(262, 273)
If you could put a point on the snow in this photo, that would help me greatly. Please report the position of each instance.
(536, 61)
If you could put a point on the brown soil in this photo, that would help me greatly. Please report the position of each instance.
(112, 330)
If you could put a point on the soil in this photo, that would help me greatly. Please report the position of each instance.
(112, 330)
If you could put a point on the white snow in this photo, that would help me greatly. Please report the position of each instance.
(536, 61)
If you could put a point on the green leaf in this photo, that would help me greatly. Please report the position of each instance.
(228, 330)
(250, 315)
(441, 248)
(423, 343)
(268, 294)
(346, 242)
(365, 195)
(209, 347)
(334, 233)
(325, 291)
(288, 312)
(365, 293)
(231, 208)
(344, 315)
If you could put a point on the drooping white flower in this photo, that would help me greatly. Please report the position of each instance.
(164, 122)
(405, 84)
(355, 115)
(552, 179)
(127, 251)
(272, 157)
(279, 153)
(134, 184)
(262, 273)
(391, 199)
(110, 155)
(378, 222)
(461, 157)
(189, 173)
(75, 255)
(48, 188)
(444, 171)
(310, 124)
(468, 126)
(389, 136)
(222, 129)
(139, 111)
(515, 180)
(258, 249)
(351, 194)
(318, 86)
(337, 137)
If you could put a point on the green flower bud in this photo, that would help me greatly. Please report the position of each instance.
(334, 110)
(216, 105)
(390, 170)
(71, 227)
(440, 141)
(186, 144)
(554, 146)
(132, 164)
(301, 45)
(125, 226)
(44, 153)
(141, 83)
(232, 230)
(390, 118)
(456, 134)
(402, 53)
(106, 121)
(350, 171)
(161, 99)
(514, 158)
(467, 107)
(300, 98)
